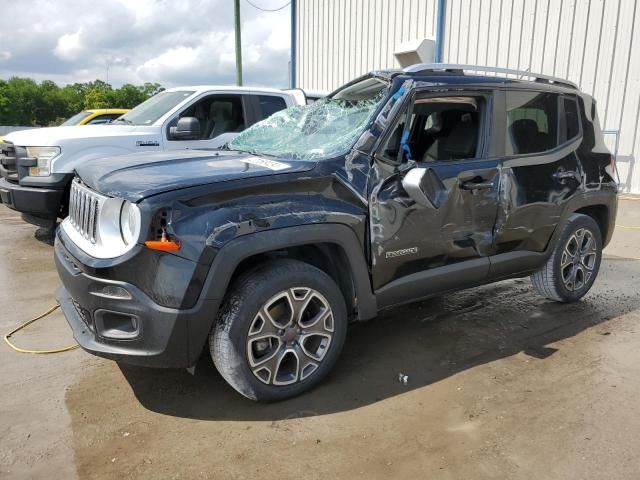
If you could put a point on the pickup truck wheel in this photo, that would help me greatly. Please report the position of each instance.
(573, 266)
(279, 331)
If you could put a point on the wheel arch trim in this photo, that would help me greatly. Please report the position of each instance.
(234, 252)
(606, 200)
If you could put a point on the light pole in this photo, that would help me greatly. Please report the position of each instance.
(238, 43)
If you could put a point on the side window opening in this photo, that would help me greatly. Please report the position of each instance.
(532, 122)
(571, 119)
(103, 119)
(217, 115)
(441, 129)
(270, 104)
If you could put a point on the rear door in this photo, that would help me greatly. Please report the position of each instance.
(432, 213)
(541, 132)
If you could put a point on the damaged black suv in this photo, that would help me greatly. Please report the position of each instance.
(400, 185)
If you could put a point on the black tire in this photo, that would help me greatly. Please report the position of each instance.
(553, 279)
(231, 346)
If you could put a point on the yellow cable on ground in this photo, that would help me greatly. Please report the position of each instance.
(628, 227)
(24, 350)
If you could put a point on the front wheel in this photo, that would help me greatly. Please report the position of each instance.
(280, 330)
(574, 264)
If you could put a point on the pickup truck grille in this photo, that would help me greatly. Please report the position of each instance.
(84, 208)
(9, 161)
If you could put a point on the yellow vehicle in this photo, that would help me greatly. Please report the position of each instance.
(95, 116)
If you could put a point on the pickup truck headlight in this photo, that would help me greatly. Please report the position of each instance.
(43, 156)
(129, 222)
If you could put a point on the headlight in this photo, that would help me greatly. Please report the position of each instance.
(43, 156)
(129, 222)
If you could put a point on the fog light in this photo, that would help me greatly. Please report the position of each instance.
(117, 325)
(109, 291)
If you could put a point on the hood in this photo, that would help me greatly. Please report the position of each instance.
(56, 136)
(136, 176)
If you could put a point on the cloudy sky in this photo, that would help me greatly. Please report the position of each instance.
(177, 42)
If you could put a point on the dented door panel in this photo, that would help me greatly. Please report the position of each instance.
(416, 244)
(408, 238)
(533, 196)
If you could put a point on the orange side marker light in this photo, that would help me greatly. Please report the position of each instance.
(163, 245)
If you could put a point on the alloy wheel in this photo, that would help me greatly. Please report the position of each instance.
(578, 259)
(290, 336)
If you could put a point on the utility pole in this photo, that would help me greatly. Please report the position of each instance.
(238, 43)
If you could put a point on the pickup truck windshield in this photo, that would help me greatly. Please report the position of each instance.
(152, 109)
(76, 119)
(327, 128)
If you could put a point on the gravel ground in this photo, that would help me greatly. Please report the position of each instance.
(501, 384)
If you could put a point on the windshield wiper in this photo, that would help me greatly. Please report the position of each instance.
(250, 152)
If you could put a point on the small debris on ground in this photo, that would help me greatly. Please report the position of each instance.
(403, 379)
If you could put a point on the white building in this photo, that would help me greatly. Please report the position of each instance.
(594, 43)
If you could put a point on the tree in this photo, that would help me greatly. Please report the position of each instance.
(127, 96)
(24, 97)
(150, 89)
(26, 102)
(96, 98)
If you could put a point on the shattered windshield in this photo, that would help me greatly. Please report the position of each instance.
(327, 128)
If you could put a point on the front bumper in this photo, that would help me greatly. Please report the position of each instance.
(38, 201)
(133, 330)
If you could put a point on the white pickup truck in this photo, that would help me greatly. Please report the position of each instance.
(36, 166)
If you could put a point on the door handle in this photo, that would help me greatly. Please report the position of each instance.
(565, 175)
(470, 185)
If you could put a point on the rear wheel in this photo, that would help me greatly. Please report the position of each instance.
(573, 267)
(280, 330)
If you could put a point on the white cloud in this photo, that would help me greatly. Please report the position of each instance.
(172, 43)
(69, 46)
(173, 59)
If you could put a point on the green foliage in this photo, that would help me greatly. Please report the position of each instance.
(96, 98)
(26, 102)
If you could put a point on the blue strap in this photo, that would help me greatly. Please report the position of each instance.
(399, 93)
(403, 144)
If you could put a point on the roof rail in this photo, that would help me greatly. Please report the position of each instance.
(460, 68)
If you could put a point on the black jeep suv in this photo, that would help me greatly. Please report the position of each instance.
(399, 186)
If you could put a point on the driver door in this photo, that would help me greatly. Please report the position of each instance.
(433, 205)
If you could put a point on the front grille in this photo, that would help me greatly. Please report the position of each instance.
(9, 161)
(84, 208)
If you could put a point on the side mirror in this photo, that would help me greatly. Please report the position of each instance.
(188, 128)
(424, 187)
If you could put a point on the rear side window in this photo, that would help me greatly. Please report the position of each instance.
(103, 119)
(270, 104)
(532, 122)
(571, 127)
